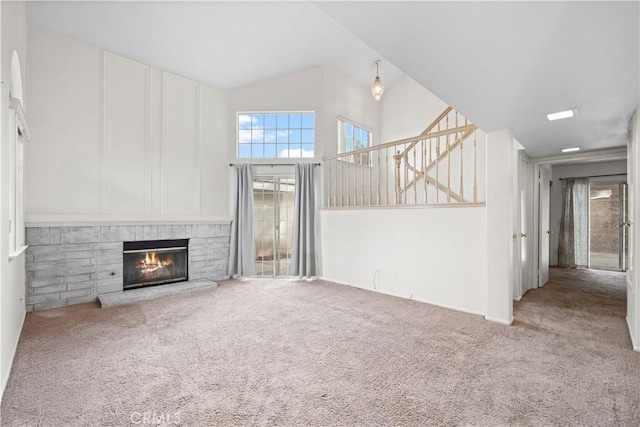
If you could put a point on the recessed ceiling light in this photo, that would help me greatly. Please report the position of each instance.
(569, 150)
(562, 114)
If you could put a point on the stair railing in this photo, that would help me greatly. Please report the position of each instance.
(389, 174)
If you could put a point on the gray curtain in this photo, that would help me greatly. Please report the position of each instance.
(242, 256)
(573, 245)
(303, 251)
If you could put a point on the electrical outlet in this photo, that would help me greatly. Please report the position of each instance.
(395, 273)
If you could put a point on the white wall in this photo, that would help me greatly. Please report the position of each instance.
(502, 199)
(12, 305)
(407, 109)
(344, 98)
(117, 139)
(412, 253)
(568, 171)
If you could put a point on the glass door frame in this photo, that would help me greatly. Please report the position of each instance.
(277, 180)
(622, 215)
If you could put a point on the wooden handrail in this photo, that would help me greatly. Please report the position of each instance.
(401, 141)
(422, 174)
(433, 124)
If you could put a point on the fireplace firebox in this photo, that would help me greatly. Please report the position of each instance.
(155, 262)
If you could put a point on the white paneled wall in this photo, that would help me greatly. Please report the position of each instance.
(126, 145)
(181, 145)
(118, 140)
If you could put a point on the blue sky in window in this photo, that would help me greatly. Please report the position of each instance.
(271, 135)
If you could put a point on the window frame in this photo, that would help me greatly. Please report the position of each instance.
(342, 141)
(276, 144)
(19, 135)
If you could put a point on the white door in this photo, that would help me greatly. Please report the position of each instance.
(525, 258)
(633, 177)
(544, 191)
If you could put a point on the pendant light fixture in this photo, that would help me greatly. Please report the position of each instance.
(377, 89)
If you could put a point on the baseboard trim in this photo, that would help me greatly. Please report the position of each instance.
(633, 343)
(13, 355)
(502, 322)
(392, 294)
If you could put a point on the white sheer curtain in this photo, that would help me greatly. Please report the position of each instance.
(573, 245)
(303, 252)
(242, 256)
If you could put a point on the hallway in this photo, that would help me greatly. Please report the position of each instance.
(579, 305)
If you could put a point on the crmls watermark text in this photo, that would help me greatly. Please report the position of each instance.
(155, 418)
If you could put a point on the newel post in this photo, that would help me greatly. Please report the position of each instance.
(398, 158)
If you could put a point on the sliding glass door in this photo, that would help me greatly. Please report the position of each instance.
(273, 222)
(607, 233)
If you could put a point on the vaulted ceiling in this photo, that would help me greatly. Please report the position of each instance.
(505, 65)
(226, 44)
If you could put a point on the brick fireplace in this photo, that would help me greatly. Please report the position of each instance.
(68, 265)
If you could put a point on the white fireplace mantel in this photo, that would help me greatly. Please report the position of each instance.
(71, 220)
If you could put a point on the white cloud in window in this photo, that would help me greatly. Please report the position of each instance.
(295, 153)
(246, 119)
(245, 136)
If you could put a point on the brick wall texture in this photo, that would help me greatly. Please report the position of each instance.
(73, 265)
(604, 219)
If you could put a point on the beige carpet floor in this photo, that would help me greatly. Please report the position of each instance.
(275, 352)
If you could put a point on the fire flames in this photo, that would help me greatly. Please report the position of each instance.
(151, 263)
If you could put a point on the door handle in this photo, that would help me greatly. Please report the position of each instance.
(626, 224)
(549, 231)
(523, 234)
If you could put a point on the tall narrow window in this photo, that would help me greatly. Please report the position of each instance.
(270, 135)
(352, 137)
(18, 134)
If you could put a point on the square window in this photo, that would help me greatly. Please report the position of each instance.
(257, 121)
(307, 121)
(307, 150)
(307, 136)
(257, 151)
(283, 150)
(270, 151)
(257, 136)
(244, 121)
(244, 136)
(353, 137)
(270, 136)
(282, 136)
(295, 121)
(244, 151)
(295, 135)
(270, 121)
(283, 121)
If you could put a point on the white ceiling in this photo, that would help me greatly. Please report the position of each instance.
(505, 65)
(225, 44)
